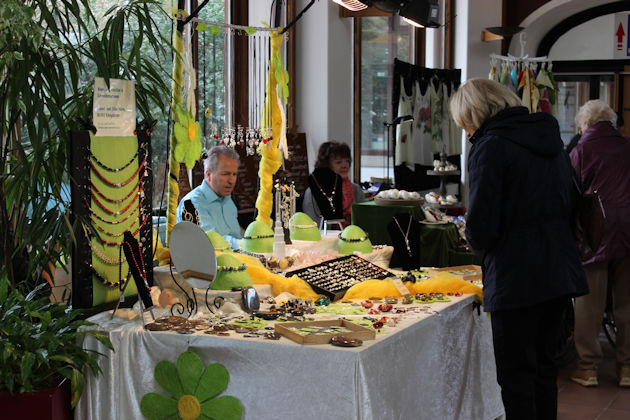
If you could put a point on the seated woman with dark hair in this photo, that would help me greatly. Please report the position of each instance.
(331, 193)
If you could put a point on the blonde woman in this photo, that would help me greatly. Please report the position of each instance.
(520, 202)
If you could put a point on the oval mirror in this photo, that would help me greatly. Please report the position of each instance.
(192, 254)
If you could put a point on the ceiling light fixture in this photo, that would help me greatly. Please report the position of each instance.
(353, 5)
(421, 13)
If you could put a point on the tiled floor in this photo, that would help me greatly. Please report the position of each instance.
(606, 402)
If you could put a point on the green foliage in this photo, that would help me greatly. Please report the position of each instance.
(49, 57)
(41, 343)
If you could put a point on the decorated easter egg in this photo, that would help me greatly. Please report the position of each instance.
(352, 239)
(258, 238)
(303, 228)
(230, 273)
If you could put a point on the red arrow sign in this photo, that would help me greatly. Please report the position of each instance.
(620, 33)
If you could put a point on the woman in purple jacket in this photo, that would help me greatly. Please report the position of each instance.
(601, 161)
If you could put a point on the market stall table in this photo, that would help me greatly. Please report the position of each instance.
(434, 365)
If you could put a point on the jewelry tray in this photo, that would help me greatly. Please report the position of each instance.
(357, 331)
(333, 277)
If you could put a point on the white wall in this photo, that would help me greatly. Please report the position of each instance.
(323, 76)
(472, 54)
(587, 41)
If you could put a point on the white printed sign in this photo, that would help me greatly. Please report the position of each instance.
(620, 36)
(114, 110)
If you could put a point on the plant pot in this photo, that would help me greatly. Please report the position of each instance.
(47, 404)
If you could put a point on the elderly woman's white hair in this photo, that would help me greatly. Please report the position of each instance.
(593, 112)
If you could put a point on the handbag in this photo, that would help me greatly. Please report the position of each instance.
(589, 222)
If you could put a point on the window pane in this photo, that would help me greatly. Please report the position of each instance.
(211, 75)
(382, 40)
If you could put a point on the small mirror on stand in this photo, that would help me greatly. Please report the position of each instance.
(193, 255)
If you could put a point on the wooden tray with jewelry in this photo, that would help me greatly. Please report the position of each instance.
(321, 332)
(333, 277)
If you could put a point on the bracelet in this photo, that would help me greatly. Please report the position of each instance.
(230, 268)
(365, 238)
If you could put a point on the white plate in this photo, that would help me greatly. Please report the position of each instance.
(398, 201)
(191, 250)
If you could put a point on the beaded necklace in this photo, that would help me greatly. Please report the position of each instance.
(107, 168)
(117, 213)
(140, 267)
(110, 222)
(116, 235)
(113, 200)
(118, 184)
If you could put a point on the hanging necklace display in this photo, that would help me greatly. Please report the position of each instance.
(405, 234)
(332, 196)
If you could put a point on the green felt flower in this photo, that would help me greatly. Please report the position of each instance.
(193, 389)
(282, 77)
(188, 137)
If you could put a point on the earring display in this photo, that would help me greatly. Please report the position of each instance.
(332, 278)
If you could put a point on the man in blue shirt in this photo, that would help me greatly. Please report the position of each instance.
(212, 198)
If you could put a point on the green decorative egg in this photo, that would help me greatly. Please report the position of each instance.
(303, 228)
(258, 238)
(230, 273)
(353, 239)
(218, 242)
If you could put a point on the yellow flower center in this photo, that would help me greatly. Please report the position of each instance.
(188, 407)
(191, 131)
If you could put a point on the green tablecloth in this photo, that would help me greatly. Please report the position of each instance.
(437, 242)
(373, 218)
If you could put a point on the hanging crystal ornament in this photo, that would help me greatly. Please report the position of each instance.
(239, 135)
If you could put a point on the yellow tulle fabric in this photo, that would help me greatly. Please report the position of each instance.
(372, 288)
(279, 284)
(440, 283)
(173, 187)
(445, 283)
(271, 157)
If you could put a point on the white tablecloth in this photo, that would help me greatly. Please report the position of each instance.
(430, 367)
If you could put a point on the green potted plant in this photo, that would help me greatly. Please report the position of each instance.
(41, 344)
(50, 53)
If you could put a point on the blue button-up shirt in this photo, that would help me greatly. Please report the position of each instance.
(215, 213)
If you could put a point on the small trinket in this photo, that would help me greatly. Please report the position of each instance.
(407, 299)
(378, 325)
(341, 341)
(385, 307)
(272, 335)
(410, 277)
(367, 304)
(391, 300)
(322, 301)
(156, 326)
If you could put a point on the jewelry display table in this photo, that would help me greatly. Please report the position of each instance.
(373, 218)
(437, 241)
(436, 364)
